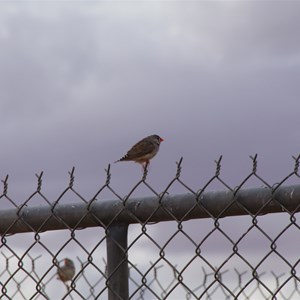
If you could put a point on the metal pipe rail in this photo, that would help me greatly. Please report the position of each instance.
(256, 201)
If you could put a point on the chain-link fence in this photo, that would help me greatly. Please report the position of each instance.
(178, 246)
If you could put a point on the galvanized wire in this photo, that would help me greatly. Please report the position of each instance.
(170, 251)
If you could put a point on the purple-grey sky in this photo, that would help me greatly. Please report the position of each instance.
(81, 82)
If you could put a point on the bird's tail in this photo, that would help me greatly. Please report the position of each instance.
(124, 158)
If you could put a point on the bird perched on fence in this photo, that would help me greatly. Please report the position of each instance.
(67, 271)
(143, 150)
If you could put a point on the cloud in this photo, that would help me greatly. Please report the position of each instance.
(80, 83)
(96, 78)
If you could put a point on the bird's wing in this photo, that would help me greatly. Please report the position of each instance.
(140, 149)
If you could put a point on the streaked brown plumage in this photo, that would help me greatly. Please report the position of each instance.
(67, 271)
(144, 150)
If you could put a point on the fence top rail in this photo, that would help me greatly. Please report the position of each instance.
(219, 204)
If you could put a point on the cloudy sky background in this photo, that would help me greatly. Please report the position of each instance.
(81, 82)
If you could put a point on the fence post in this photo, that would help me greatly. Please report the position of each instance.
(117, 263)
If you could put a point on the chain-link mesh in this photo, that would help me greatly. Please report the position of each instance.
(176, 247)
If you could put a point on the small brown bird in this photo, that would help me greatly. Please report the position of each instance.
(143, 151)
(67, 271)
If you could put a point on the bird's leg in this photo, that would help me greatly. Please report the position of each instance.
(146, 165)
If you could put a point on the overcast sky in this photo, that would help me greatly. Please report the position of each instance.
(81, 82)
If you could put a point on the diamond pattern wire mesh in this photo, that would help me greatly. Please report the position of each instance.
(170, 252)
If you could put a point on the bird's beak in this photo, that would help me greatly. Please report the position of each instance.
(161, 139)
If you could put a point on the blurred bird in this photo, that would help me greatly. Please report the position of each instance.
(67, 271)
(143, 151)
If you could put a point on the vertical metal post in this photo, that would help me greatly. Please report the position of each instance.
(117, 264)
